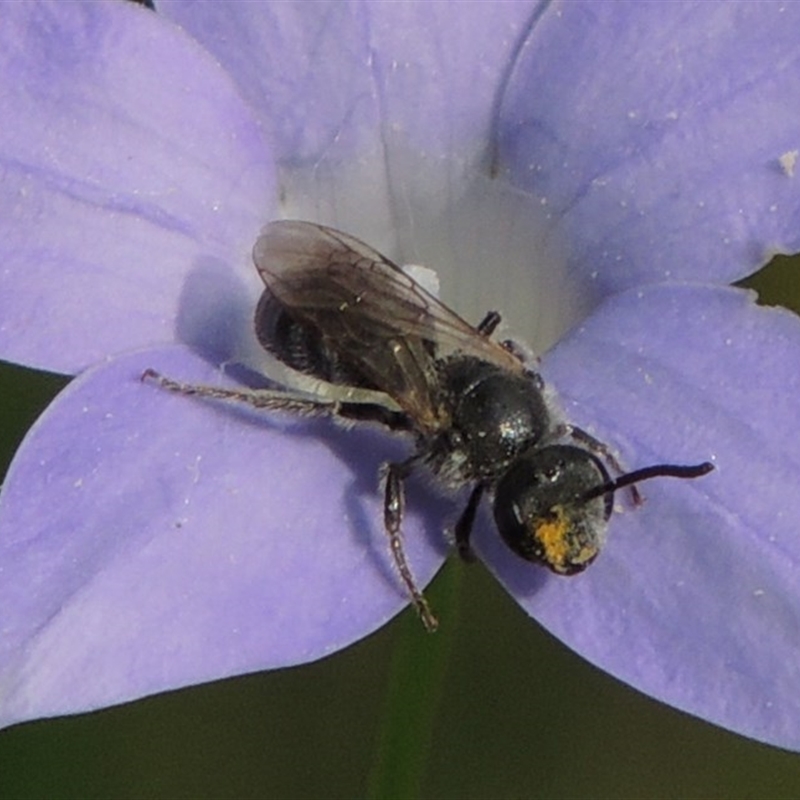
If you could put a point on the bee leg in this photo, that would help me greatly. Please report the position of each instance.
(601, 449)
(372, 412)
(535, 378)
(463, 529)
(275, 400)
(487, 325)
(393, 506)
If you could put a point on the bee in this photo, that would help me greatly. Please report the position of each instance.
(383, 350)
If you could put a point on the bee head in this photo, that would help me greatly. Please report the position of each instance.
(553, 504)
(542, 511)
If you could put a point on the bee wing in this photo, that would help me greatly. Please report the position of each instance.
(369, 311)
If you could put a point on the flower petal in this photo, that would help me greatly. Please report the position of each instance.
(664, 144)
(380, 112)
(150, 541)
(326, 75)
(695, 598)
(132, 171)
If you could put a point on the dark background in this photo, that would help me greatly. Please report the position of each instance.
(515, 714)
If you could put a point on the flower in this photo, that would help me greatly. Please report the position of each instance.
(151, 542)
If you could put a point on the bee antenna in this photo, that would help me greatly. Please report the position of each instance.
(655, 471)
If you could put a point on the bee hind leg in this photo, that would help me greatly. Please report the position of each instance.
(267, 399)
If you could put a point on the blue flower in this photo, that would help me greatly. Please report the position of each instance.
(598, 171)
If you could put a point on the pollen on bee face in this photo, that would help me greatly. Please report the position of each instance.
(552, 533)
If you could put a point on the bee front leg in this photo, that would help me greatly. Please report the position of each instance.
(393, 507)
(601, 449)
(463, 529)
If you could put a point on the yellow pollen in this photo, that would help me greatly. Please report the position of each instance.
(552, 533)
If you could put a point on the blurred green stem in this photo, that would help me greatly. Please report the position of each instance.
(414, 687)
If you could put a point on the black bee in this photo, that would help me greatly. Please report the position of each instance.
(384, 350)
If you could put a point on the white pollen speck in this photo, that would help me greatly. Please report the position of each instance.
(426, 277)
(788, 161)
